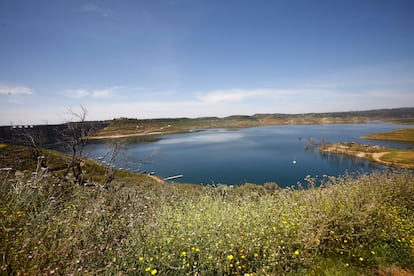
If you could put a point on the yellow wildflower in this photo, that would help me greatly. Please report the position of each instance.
(154, 271)
(297, 252)
(230, 257)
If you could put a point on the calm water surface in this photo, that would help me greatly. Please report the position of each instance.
(281, 154)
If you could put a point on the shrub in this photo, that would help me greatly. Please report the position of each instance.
(347, 226)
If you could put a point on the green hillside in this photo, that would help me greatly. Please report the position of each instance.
(138, 226)
(124, 127)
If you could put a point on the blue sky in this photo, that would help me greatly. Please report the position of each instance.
(192, 58)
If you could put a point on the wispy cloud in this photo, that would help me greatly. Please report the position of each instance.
(93, 93)
(15, 90)
(360, 88)
(237, 95)
(93, 8)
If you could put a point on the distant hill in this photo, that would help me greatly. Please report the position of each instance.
(51, 135)
(386, 114)
(124, 127)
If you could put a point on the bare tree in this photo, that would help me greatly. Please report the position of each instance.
(75, 137)
(110, 168)
(33, 138)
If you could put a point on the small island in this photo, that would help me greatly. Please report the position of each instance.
(398, 158)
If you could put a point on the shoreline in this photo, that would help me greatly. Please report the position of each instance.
(372, 153)
(160, 131)
(156, 178)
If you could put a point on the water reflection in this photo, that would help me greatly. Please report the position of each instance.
(127, 140)
(350, 163)
(215, 136)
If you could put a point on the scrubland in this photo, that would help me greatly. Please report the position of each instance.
(346, 226)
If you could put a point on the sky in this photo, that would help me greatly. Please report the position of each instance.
(196, 58)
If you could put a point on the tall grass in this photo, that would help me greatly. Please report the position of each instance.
(348, 226)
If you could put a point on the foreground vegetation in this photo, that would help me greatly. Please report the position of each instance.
(347, 226)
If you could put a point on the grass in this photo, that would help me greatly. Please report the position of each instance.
(401, 135)
(348, 226)
(405, 157)
(399, 158)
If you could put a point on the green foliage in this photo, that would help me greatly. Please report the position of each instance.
(345, 227)
(403, 135)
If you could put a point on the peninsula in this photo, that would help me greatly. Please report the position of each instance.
(399, 158)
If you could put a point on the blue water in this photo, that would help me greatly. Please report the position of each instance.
(281, 154)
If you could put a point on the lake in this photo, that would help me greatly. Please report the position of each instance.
(283, 154)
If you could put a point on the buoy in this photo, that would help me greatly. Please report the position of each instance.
(294, 162)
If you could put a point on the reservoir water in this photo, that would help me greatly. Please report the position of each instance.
(282, 154)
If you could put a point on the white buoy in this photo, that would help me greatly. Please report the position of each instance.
(294, 162)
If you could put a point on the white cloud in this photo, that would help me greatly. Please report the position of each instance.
(386, 94)
(237, 95)
(247, 102)
(15, 90)
(92, 93)
(78, 93)
(92, 8)
(104, 93)
(355, 89)
(159, 109)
